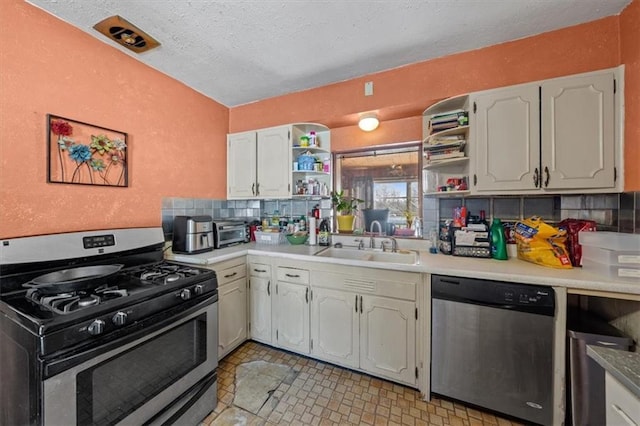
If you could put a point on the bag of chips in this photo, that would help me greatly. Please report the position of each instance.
(542, 243)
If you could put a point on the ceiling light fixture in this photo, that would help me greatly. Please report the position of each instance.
(368, 122)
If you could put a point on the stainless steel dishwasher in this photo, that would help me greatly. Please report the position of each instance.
(492, 345)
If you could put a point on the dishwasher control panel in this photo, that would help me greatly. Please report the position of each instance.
(499, 294)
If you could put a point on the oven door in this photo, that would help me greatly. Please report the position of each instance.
(138, 378)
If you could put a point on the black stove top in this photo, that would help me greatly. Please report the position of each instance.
(121, 289)
(145, 286)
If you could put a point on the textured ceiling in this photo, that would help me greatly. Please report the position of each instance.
(238, 51)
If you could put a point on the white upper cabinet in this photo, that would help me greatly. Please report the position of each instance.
(241, 165)
(558, 135)
(578, 132)
(507, 139)
(258, 164)
(273, 163)
(263, 163)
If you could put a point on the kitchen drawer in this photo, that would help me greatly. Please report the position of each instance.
(229, 270)
(231, 274)
(293, 275)
(260, 270)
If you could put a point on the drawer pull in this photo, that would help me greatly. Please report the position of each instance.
(292, 275)
(260, 270)
(356, 303)
(231, 275)
(624, 415)
(269, 288)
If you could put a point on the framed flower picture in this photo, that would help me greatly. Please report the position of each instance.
(85, 154)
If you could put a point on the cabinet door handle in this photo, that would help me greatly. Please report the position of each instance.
(306, 296)
(268, 288)
(356, 303)
(231, 275)
(536, 177)
(292, 275)
(547, 176)
(361, 307)
(253, 189)
(258, 188)
(260, 270)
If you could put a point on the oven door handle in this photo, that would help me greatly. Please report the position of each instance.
(143, 331)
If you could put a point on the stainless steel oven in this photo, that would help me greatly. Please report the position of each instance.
(129, 380)
(105, 332)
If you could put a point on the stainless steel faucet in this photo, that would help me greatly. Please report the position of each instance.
(372, 241)
(394, 244)
(360, 242)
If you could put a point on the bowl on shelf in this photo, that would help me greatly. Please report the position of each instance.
(297, 238)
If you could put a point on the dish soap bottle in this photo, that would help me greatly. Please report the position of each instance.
(498, 241)
(324, 237)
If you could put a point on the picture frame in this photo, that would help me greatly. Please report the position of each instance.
(85, 154)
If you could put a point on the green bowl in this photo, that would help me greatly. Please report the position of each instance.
(297, 239)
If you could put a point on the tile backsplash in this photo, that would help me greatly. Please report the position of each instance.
(237, 209)
(611, 212)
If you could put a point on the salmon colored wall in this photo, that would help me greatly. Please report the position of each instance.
(177, 137)
(630, 53)
(407, 91)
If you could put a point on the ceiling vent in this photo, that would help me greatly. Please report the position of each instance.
(126, 34)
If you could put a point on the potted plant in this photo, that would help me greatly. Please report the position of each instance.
(346, 207)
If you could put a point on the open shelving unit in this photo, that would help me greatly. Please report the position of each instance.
(322, 151)
(438, 172)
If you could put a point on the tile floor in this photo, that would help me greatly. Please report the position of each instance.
(323, 394)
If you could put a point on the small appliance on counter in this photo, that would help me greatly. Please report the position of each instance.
(230, 232)
(192, 234)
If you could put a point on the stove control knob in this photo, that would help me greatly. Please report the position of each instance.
(96, 327)
(185, 294)
(198, 289)
(119, 319)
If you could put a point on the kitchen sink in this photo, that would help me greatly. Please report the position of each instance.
(406, 257)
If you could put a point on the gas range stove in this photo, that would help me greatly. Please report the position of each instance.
(98, 306)
(97, 328)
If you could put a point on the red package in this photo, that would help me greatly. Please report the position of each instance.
(573, 226)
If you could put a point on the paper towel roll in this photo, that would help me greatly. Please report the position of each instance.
(312, 231)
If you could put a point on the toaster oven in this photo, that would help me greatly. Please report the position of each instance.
(228, 233)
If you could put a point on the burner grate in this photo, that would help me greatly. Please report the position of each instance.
(164, 273)
(70, 302)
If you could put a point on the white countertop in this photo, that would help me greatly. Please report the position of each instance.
(512, 270)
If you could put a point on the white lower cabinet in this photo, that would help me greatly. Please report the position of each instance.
(359, 318)
(623, 407)
(232, 304)
(388, 338)
(364, 329)
(335, 327)
(291, 313)
(260, 302)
